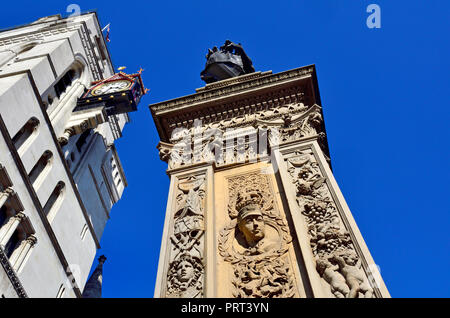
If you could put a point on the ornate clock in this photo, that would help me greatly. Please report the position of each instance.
(119, 94)
(111, 87)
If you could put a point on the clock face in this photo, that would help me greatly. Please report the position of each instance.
(111, 87)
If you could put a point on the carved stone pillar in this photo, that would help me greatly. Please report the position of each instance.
(182, 271)
(20, 253)
(253, 208)
(64, 139)
(9, 228)
(5, 195)
(337, 260)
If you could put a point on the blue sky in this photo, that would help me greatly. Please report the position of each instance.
(386, 106)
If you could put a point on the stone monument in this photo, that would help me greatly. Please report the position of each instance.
(253, 209)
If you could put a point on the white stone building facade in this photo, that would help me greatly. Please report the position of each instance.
(60, 173)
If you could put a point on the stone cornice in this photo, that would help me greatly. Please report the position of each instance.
(61, 27)
(234, 87)
(232, 80)
(242, 95)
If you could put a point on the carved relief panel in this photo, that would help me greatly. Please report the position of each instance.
(254, 241)
(185, 273)
(336, 257)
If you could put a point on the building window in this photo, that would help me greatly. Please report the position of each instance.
(41, 169)
(66, 89)
(23, 138)
(53, 203)
(17, 240)
(83, 139)
(16, 232)
(3, 215)
(61, 292)
(65, 81)
(83, 232)
(12, 244)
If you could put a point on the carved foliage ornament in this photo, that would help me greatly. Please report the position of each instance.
(337, 261)
(255, 242)
(186, 270)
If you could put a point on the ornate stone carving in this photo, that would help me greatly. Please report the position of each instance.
(185, 277)
(165, 150)
(243, 138)
(186, 270)
(255, 242)
(336, 259)
(292, 127)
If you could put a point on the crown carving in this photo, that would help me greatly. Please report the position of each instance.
(248, 198)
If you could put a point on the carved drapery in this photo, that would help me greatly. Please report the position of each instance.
(185, 275)
(258, 253)
(337, 260)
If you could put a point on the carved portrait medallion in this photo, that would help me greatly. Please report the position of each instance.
(256, 239)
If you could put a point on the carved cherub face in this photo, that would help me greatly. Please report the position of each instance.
(322, 265)
(315, 119)
(185, 271)
(251, 224)
(350, 258)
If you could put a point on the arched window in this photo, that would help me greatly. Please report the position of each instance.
(53, 203)
(67, 89)
(41, 169)
(23, 138)
(27, 47)
(66, 81)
